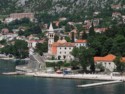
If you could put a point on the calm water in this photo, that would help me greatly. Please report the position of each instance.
(32, 85)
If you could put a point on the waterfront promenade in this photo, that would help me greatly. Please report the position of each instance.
(77, 76)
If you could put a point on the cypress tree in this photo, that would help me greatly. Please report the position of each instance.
(72, 37)
(84, 35)
(91, 30)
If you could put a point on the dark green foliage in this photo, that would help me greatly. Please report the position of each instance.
(91, 30)
(41, 48)
(107, 46)
(68, 28)
(59, 64)
(79, 27)
(16, 24)
(120, 66)
(18, 50)
(63, 23)
(3, 42)
(74, 64)
(92, 64)
(32, 30)
(56, 37)
(68, 39)
(84, 35)
(72, 37)
(20, 33)
(84, 57)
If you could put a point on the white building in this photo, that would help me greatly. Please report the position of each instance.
(107, 62)
(62, 49)
(81, 43)
(19, 16)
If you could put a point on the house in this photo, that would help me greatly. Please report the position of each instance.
(19, 16)
(32, 43)
(62, 19)
(116, 14)
(1, 46)
(106, 61)
(96, 21)
(62, 49)
(123, 18)
(96, 13)
(75, 31)
(123, 6)
(32, 37)
(87, 22)
(116, 7)
(5, 31)
(56, 23)
(81, 43)
(21, 38)
(100, 30)
(9, 36)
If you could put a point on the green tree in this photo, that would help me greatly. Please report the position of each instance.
(91, 30)
(56, 38)
(84, 57)
(72, 37)
(21, 49)
(68, 28)
(84, 35)
(74, 64)
(120, 66)
(67, 39)
(3, 42)
(79, 27)
(18, 50)
(95, 44)
(107, 46)
(41, 48)
(92, 64)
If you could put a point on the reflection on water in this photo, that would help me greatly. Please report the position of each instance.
(9, 65)
(32, 85)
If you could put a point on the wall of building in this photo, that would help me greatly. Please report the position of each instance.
(107, 65)
(81, 44)
(64, 53)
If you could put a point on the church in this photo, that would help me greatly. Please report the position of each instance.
(61, 49)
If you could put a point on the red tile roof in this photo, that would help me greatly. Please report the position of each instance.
(68, 44)
(109, 57)
(123, 59)
(81, 41)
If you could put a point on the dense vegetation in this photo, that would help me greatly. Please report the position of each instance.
(19, 49)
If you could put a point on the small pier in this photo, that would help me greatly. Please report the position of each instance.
(98, 84)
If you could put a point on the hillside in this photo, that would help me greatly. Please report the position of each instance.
(73, 9)
(70, 6)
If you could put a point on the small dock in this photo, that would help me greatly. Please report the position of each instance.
(98, 84)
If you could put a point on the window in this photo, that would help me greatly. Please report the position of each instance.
(65, 47)
(59, 57)
(64, 56)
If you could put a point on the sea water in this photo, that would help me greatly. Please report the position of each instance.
(35, 85)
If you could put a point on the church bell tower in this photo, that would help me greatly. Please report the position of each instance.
(51, 35)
